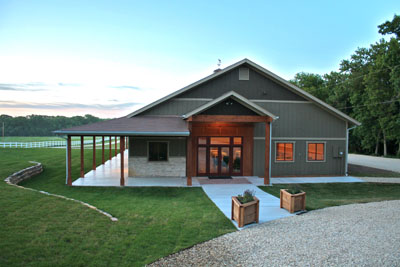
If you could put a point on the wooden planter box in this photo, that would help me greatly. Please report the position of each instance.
(294, 202)
(245, 213)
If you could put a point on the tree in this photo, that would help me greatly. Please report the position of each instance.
(391, 27)
(311, 83)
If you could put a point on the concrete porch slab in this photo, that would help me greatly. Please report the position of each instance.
(306, 180)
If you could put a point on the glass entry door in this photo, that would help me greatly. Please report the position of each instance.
(219, 156)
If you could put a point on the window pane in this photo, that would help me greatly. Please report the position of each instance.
(163, 151)
(320, 152)
(311, 151)
(237, 157)
(213, 159)
(237, 140)
(202, 140)
(280, 151)
(289, 151)
(201, 160)
(153, 153)
(225, 159)
(220, 140)
(158, 151)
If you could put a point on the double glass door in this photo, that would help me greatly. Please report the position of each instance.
(219, 156)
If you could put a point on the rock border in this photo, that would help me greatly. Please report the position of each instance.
(29, 172)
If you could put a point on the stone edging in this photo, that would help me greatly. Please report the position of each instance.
(24, 174)
(27, 173)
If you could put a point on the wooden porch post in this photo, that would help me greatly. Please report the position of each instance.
(115, 149)
(109, 151)
(82, 157)
(189, 152)
(94, 153)
(102, 149)
(69, 179)
(267, 148)
(121, 145)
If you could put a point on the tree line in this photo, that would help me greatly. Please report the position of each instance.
(40, 125)
(367, 88)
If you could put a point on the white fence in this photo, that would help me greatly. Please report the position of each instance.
(46, 144)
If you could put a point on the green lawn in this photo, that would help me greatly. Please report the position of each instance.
(36, 229)
(326, 195)
(39, 138)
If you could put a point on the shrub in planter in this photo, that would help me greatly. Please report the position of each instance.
(293, 199)
(245, 208)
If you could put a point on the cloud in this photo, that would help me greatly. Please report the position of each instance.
(126, 87)
(28, 87)
(63, 105)
(68, 84)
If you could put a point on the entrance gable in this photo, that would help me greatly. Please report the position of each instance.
(228, 107)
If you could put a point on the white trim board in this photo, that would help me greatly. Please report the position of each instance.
(191, 99)
(305, 138)
(280, 101)
(251, 100)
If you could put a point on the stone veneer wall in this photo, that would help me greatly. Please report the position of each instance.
(141, 167)
(24, 174)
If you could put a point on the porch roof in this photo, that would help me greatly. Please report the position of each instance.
(135, 126)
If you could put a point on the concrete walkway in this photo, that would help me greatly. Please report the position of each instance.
(306, 180)
(375, 162)
(221, 195)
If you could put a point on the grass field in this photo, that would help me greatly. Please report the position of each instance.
(36, 229)
(38, 138)
(41, 230)
(327, 195)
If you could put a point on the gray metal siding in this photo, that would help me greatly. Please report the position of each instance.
(175, 107)
(300, 167)
(230, 107)
(138, 146)
(257, 87)
(302, 120)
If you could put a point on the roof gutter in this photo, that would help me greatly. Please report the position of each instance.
(121, 133)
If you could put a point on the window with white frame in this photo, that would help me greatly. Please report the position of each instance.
(284, 152)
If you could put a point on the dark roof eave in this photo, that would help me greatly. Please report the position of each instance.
(112, 133)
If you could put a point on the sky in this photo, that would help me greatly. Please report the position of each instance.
(109, 58)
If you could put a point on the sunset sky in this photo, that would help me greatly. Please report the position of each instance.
(108, 58)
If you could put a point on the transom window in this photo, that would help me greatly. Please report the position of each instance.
(284, 151)
(158, 151)
(316, 151)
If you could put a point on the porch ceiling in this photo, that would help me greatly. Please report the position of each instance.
(135, 126)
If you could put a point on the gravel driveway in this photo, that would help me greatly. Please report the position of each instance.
(350, 235)
(390, 164)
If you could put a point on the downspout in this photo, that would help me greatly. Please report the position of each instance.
(270, 148)
(66, 158)
(347, 148)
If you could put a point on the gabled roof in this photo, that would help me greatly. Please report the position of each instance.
(239, 98)
(136, 126)
(266, 73)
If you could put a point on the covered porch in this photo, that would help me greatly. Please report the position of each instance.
(109, 174)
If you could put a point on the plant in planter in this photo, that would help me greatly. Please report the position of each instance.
(293, 199)
(245, 208)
